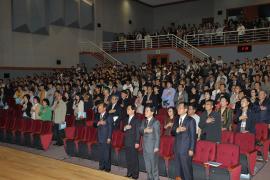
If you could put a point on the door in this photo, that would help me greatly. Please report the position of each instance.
(157, 59)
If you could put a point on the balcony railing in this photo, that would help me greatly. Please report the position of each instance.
(229, 37)
(154, 42)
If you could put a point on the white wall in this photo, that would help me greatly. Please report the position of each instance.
(114, 15)
(29, 50)
(230, 53)
(140, 57)
(189, 12)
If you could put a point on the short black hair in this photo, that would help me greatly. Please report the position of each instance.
(47, 101)
(132, 106)
(152, 108)
(184, 104)
(193, 105)
(37, 98)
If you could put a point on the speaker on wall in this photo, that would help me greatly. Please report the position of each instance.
(6, 75)
(58, 62)
(129, 22)
(219, 12)
(98, 25)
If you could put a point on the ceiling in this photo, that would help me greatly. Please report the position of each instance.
(160, 2)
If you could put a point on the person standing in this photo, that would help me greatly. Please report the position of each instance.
(184, 130)
(59, 115)
(132, 140)
(104, 127)
(168, 96)
(210, 123)
(150, 131)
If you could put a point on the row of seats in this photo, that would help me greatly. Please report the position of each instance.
(24, 131)
(81, 142)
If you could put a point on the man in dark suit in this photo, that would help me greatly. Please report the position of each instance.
(115, 111)
(150, 130)
(210, 123)
(132, 140)
(184, 130)
(104, 125)
(150, 99)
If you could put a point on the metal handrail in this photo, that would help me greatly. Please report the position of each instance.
(229, 37)
(160, 41)
(93, 48)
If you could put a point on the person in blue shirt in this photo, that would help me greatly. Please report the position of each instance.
(168, 96)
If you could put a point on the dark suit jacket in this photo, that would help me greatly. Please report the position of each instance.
(152, 98)
(104, 131)
(117, 108)
(118, 112)
(211, 131)
(250, 122)
(262, 115)
(184, 141)
(132, 136)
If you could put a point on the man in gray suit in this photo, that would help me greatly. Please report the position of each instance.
(150, 130)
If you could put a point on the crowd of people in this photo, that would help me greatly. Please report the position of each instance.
(181, 31)
(202, 99)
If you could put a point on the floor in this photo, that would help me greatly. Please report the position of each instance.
(57, 153)
(15, 164)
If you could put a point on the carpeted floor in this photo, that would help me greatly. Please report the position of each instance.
(56, 152)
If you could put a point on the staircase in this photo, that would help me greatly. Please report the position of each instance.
(90, 48)
(156, 42)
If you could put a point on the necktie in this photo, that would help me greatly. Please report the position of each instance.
(180, 121)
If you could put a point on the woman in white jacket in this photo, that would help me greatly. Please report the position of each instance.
(78, 107)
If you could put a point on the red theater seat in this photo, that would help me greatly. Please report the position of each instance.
(248, 153)
(70, 120)
(44, 138)
(117, 145)
(228, 156)
(205, 151)
(262, 139)
(73, 134)
(166, 154)
(36, 128)
(227, 137)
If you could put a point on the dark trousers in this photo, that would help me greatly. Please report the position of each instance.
(183, 166)
(58, 134)
(132, 161)
(105, 156)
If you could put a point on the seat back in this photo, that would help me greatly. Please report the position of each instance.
(27, 124)
(18, 124)
(11, 124)
(246, 142)
(37, 126)
(80, 132)
(228, 154)
(205, 151)
(70, 120)
(166, 146)
(227, 137)
(163, 111)
(46, 127)
(140, 116)
(90, 115)
(118, 139)
(261, 131)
